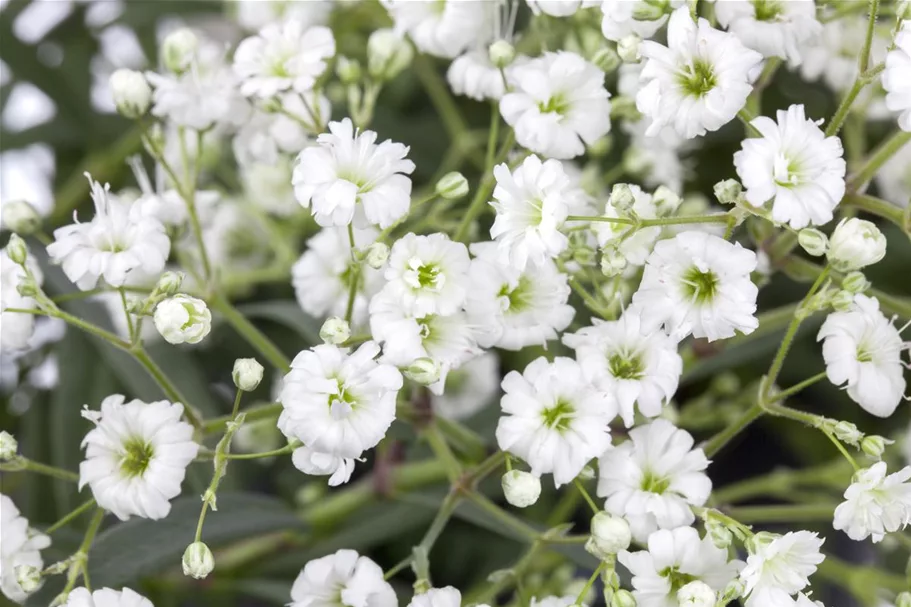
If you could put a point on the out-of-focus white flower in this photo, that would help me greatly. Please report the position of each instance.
(428, 274)
(315, 463)
(20, 548)
(553, 419)
(832, 55)
(106, 597)
(780, 566)
(855, 244)
(795, 166)
(19, 216)
(267, 136)
(17, 327)
(268, 186)
(446, 28)
(862, 350)
(131, 92)
(634, 248)
(893, 180)
(653, 479)
(625, 17)
(558, 104)
(698, 283)
(178, 49)
(520, 488)
(183, 319)
(344, 578)
(284, 56)
(558, 8)
(469, 388)
(699, 81)
(897, 76)
(875, 504)
(775, 29)
(253, 15)
(348, 177)
(136, 456)
(474, 75)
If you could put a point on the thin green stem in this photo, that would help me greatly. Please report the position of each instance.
(486, 186)
(447, 508)
(353, 275)
(485, 468)
(723, 437)
(68, 518)
(879, 157)
(841, 449)
(236, 407)
(81, 558)
(190, 198)
(588, 499)
(528, 533)
(126, 313)
(493, 135)
(868, 41)
(876, 206)
(746, 118)
(250, 333)
(809, 419)
(268, 411)
(275, 452)
(441, 449)
(440, 96)
(799, 513)
(22, 464)
(591, 582)
(844, 107)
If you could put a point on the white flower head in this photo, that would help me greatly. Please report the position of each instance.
(106, 597)
(314, 463)
(339, 402)
(654, 478)
(855, 243)
(21, 547)
(780, 566)
(118, 245)
(698, 283)
(775, 29)
(893, 180)
(473, 75)
(862, 350)
(832, 55)
(557, 105)
(875, 504)
(623, 17)
(253, 15)
(439, 597)
(17, 327)
(343, 579)
(183, 319)
(428, 274)
(136, 456)
(469, 388)
(633, 366)
(558, 8)
(699, 81)
(446, 28)
(795, 166)
(348, 177)
(897, 77)
(284, 56)
(553, 419)
(269, 137)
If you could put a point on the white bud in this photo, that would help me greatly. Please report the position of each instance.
(842, 301)
(452, 186)
(628, 48)
(388, 53)
(247, 374)
(169, 283)
(522, 489)
(178, 49)
(198, 561)
(874, 445)
(813, 241)
(348, 70)
(183, 319)
(16, 249)
(903, 600)
(719, 533)
(29, 578)
(613, 262)
(131, 92)
(728, 191)
(21, 217)
(621, 197)
(9, 448)
(377, 255)
(623, 598)
(696, 594)
(606, 59)
(610, 533)
(733, 591)
(855, 282)
(847, 433)
(501, 53)
(855, 243)
(335, 331)
(424, 371)
(666, 200)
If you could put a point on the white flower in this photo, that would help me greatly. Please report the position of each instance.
(388, 53)
(558, 8)
(654, 478)
(473, 75)
(521, 489)
(428, 274)
(610, 534)
(20, 547)
(855, 243)
(675, 558)
(119, 244)
(253, 15)
(696, 594)
(321, 277)
(106, 597)
(131, 92)
(338, 469)
(557, 105)
(893, 180)
(343, 579)
(897, 77)
(622, 18)
(17, 327)
(552, 418)
(438, 597)
(863, 350)
(531, 204)
(512, 309)
(268, 186)
(699, 81)
(183, 319)
(832, 55)
(267, 136)
(444, 28)
(875, 503)
(630, 365)
(337, 402)
(136, 456)
(775, 29)
(347, 176)
(634, 248)
(795, 166)
(656, 158)
(469, 388)
(780, 567)
(284, 56)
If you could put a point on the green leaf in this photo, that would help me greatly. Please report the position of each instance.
(286, 313)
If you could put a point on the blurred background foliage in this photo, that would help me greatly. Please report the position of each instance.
(58, 122)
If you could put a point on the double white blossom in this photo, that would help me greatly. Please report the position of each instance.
(106, 597)
(469, 388)
(428, 274)
(897, 77)
(875, 504)
(474, 75)
(343, 579)
(779, 567)
(445, 28)
(775, 29)
(623, 18)
(21, 547)
(17, 327)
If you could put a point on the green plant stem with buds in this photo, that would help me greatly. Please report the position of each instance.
(79, 564)
(877, 159)
(22, 464)
(354, 276)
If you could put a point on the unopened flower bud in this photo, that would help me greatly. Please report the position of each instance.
(377, 255)
(628, 48)
(501, 53)
(842, 301)
(335, 331)
(733, 591)
(247, 374)
(131, 92)
(522, 489)
(666, 200)
(16, 249)
(719, 533)
(606, 59)
(759, 540)
(388, 53)
(348, 70)
(183, 319)
(586, 474)
(28, 577)
(813, 241)
(21, 217)
(696, 594)
(855, 243)
(613, 262)
(424, 371)
(623, 598)
(874, 445)
(9, 448)
(728, 191)
(169, 283)
(27, 287)
(178, 49)
(452, 186)
(855, 282)
(621, 197)
(847, 433)
(198, 561)
(610, 534)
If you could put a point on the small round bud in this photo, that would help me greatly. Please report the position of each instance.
(623, 598)
(696, 594)
(610, 533)
(903, 600)
(606, 59)
(388, 54)
(628, 48)
(21, 217)
(335, 331)
(855, 243)
(198, 561)
(377, 255)
(522, 489)
(169, 283)
(178, 49)
(813, 241)
(613, 262)
(501, 53)
(131, 92)
(348, 70)
(621, 197)
(666, 200)
(855, 282)
(874, 445)
(847, 433)
(842, 301)
(424, 371)
(9, 448)
(28, 577)
(719, 533)
(587, 473)
(733, 591)
(247, 374)
(16, 249)
(452, 186)
(728, 191)
(183, 319)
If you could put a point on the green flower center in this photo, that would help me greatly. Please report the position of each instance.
(699, 286)
(677, 579)
(557, 104)
(559, 416)
(136, 457)
(653, 483)
(697, 79)
(521, 297)
(624, 365)
(863, 355)
(420, 275)
(767, 10)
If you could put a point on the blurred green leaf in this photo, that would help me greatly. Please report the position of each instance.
(286, 313)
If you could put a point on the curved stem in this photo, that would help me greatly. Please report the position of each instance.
(275, 452)
(250, 333)
(880, 156)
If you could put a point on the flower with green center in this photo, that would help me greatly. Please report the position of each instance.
(558, 416)
(137, 454)
(428, 274)
(699, 285)
(697, 78)
(775, 28)
(768, 10)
